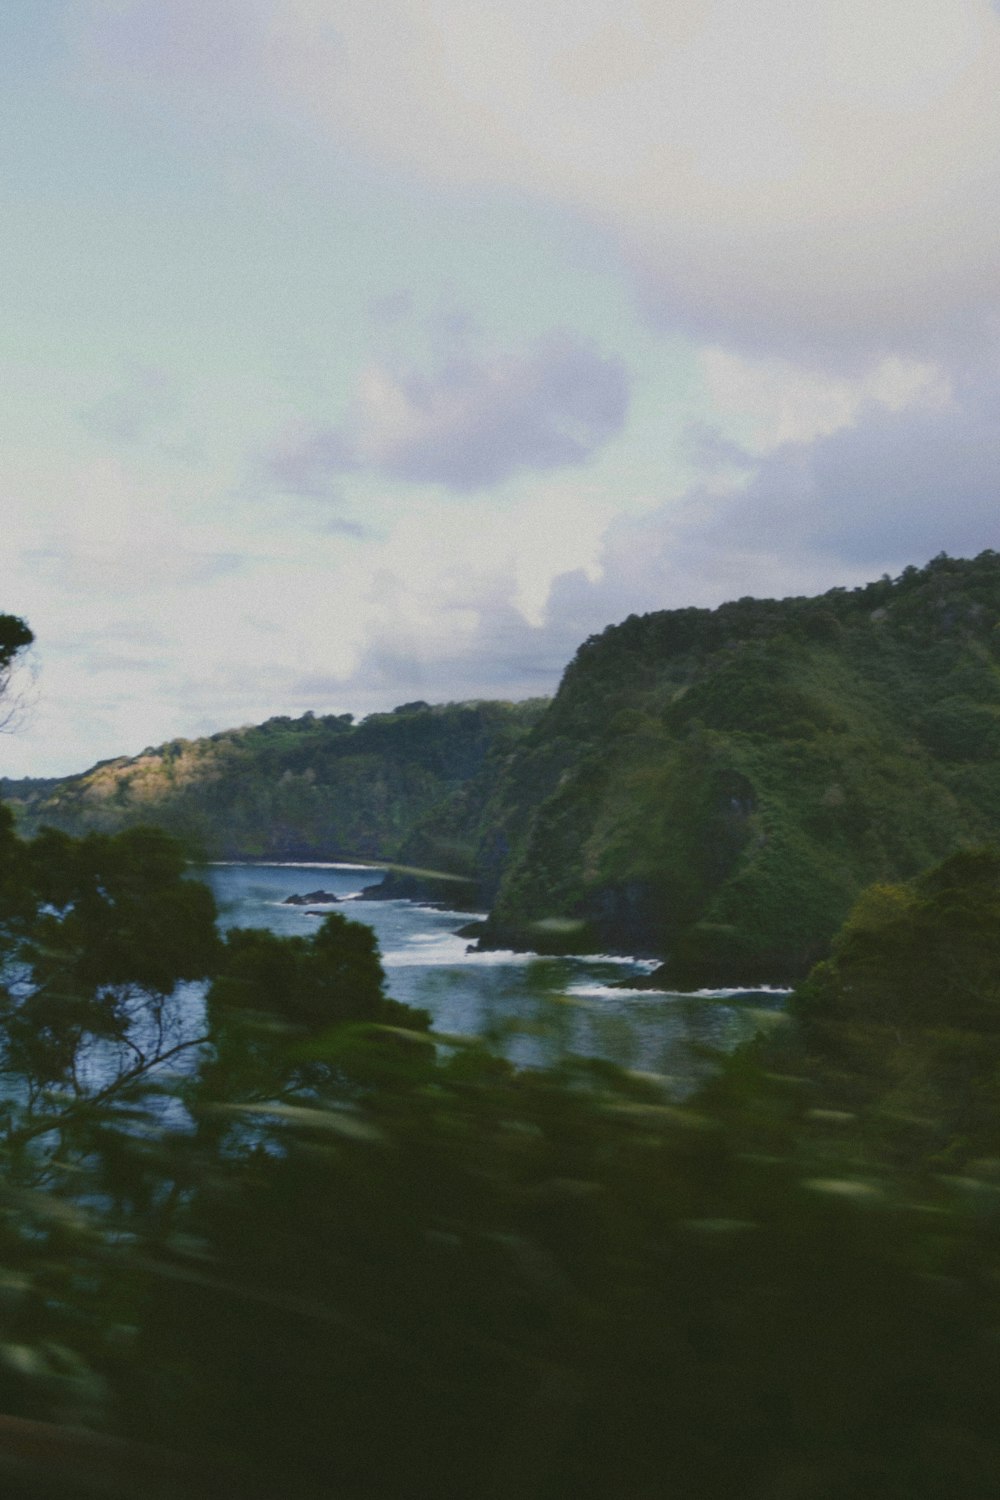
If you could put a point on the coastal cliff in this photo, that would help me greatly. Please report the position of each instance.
(713, 787)
(717, 786)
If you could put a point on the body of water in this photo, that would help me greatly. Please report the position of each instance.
(531, 1008)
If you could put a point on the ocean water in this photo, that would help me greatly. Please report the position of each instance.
(531, 1008)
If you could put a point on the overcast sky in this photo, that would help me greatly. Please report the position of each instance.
(356, 351)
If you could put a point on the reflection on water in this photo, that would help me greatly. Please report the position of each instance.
(532, 1009)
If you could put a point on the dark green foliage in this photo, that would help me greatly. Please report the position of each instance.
(333, 975)
(927, 953)
(314, 787)
(15, 637)
(957, 729)
(272, 1005)
(717, 786)
(116, 911)
(98, 935)
(369, 1261)
(452, 1280)
(901, 1025)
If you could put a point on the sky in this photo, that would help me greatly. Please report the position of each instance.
(352, 354)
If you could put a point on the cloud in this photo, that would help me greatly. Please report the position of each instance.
(454, 619)
(778, 176)
(895, 485)
(777, 402)
(504, 657)
(476, 421)
(810, 190)
(473, 422)
(781, 177)
(135, 564)
(307, 461)
(105, 529)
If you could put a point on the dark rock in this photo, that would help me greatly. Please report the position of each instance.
(312, 898)
(376, 892)
(471, 930)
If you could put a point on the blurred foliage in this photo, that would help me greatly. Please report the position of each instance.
(343, 1255)
(15, 638)
(901, 1025)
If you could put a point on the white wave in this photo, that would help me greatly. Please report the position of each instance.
(447, 949)
(649, 964)
(297, 906)
(742, 989)
(616, 992)
(450, 949)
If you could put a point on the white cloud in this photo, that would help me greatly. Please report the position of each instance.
(781, 175)
(811, 189)
(159, 614)
(472, 422)
(894, 485)
(774, 401)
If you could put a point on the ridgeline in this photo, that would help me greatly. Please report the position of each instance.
(711, 786)
(717, 786)
(316, 787)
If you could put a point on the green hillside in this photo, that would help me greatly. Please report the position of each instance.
(717, 786)
(307, 788)
(710, 786)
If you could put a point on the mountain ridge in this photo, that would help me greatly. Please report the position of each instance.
(710, 786)
(307, 788)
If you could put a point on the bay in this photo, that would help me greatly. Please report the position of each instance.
(532, 1009)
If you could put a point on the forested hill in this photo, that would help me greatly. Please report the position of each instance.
(712, 786)
(718, 785)
(308, 788)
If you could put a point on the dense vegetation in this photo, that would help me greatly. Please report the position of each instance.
(307, 788)
(717, 786)
(275, 1236)
(712, 786)
(296, 1243)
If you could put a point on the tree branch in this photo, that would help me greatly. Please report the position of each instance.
(56, 1122)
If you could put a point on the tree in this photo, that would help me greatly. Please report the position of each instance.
(922, 953)
(333, 975)
(15, 638)
(901, 1025)
(98, 937)
(273, 1002)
